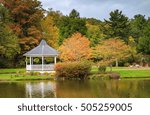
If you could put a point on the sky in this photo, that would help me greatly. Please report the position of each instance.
(99, 9)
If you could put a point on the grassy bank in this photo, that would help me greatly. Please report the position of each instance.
(129, 72)
(13, 77)
(19, 74)
(11, 71)
(126, 73)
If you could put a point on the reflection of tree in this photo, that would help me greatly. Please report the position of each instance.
(89, 88)
(144, 89)
(73, 89)
(11, 90)
(94, 88)
(123, 88)
(77, 88)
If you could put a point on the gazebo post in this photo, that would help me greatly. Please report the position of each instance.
(55, 60)
(42, 63)
(30, 63)
(32, 60)
(26, 61)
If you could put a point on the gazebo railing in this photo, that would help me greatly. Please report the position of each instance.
(45, 67)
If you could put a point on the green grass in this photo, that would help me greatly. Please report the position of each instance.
(127, 73)
(13, 77)
(133, 73)
(10, 74)
(5, 76)
(5, 71)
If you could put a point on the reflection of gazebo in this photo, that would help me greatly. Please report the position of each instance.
(42, 52)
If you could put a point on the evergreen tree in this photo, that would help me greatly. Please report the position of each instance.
(117, 26)
(74, 14)
(137, 25)
(144, 41)
(9, 46)
(70, 25)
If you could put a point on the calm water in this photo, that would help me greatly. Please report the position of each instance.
(89, 88)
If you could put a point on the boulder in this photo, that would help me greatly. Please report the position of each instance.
(114, 76)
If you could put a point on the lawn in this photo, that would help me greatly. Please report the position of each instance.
(133, 73)
(6, 71)
(10, 74)
(128, 72)
(13, 77)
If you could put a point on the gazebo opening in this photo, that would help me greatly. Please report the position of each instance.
(42, 58)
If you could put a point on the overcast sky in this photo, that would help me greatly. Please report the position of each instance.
(99, 9)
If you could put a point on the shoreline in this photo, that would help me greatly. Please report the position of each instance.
(19, 74)
(46, 78)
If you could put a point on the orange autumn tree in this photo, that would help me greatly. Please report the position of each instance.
(75, 48)
(110, 51)
(26, 16)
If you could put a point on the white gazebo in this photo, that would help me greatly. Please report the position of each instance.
(41, 52)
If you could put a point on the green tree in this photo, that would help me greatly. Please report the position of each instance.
(144, 42)
(4, 15)
(9, 46)
(117, 26)
(133, 51)
(74, 14)
(137, 25)
(94, 31)
(69, 25)
(140, 30)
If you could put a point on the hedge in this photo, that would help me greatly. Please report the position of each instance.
(73, 69)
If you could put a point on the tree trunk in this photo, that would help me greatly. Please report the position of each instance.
(111, 68)
(116, 62)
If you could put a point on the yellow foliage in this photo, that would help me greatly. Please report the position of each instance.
(50, 31)
(111, 50)
(75, 48)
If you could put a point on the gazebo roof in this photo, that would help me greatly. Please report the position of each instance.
(43, 49)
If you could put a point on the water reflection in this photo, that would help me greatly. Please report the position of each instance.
(71, 89)
(40, 89)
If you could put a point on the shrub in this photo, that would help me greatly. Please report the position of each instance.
(20, 74)
(73, 69)
(102, 69)
(32, 73)
(104, 76)
(46, 73)
(37, 73)
(127, 64)
(52, 74)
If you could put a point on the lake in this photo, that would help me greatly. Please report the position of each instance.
(76, 89)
